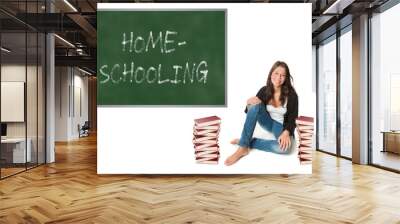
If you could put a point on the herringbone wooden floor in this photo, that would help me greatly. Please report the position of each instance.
(70, 191)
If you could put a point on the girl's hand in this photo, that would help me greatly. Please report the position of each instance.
(253, 101)
(284, 140)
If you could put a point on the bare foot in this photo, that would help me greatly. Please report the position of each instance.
(240, 152)
(235, 141)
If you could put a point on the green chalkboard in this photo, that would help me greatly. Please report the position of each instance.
(173, 57)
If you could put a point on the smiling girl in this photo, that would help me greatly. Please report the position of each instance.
(275, 109)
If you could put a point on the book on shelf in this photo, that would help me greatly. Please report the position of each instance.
(207, 121)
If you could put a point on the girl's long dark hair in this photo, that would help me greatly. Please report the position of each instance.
(286, 86)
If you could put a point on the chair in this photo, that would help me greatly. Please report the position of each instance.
(84, 130)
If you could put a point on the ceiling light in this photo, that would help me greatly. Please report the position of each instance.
(338, 6)
(5, 50)
(84, 71)
(65, 41)
(70, 5)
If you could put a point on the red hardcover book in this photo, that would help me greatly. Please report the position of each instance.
(309, 131)
(305, 137)
(202, 159)
(206, 155)
(207, 121)
(211, 127)
(305, 161)
(305, 149)
(202, 137)
(209, 152)
(305, 127)
(208, 162)
(305, 156)
(305, 142)
(206, 132)
(303, 120)
(208, 149)
(305, 153)
(206, 141)
(199, 146)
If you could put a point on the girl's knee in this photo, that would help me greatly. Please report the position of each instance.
(253, 107)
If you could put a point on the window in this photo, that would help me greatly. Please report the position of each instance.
(346, 92)
(385, 88)
(22, 68)
(327, 96)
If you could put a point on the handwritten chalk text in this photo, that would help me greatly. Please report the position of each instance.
(164, 41)
(127, 73)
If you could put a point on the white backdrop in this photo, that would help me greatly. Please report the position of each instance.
(158, 140)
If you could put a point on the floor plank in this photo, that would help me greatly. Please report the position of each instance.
(70, 191)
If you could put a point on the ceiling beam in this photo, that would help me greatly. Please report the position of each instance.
(338, 6)
(81, 61)
(86, 27)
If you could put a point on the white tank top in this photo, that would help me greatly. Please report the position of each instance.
(277, 113)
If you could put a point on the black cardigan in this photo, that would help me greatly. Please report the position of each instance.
(289, 121)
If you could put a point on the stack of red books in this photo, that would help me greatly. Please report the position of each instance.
(305, 129)
(205, 139)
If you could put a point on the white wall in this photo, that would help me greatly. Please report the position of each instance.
(82, 83)
(16, 73)
(34, 123)
(68, 83)
(61, 103)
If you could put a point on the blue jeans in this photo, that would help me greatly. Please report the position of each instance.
(257, 113)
